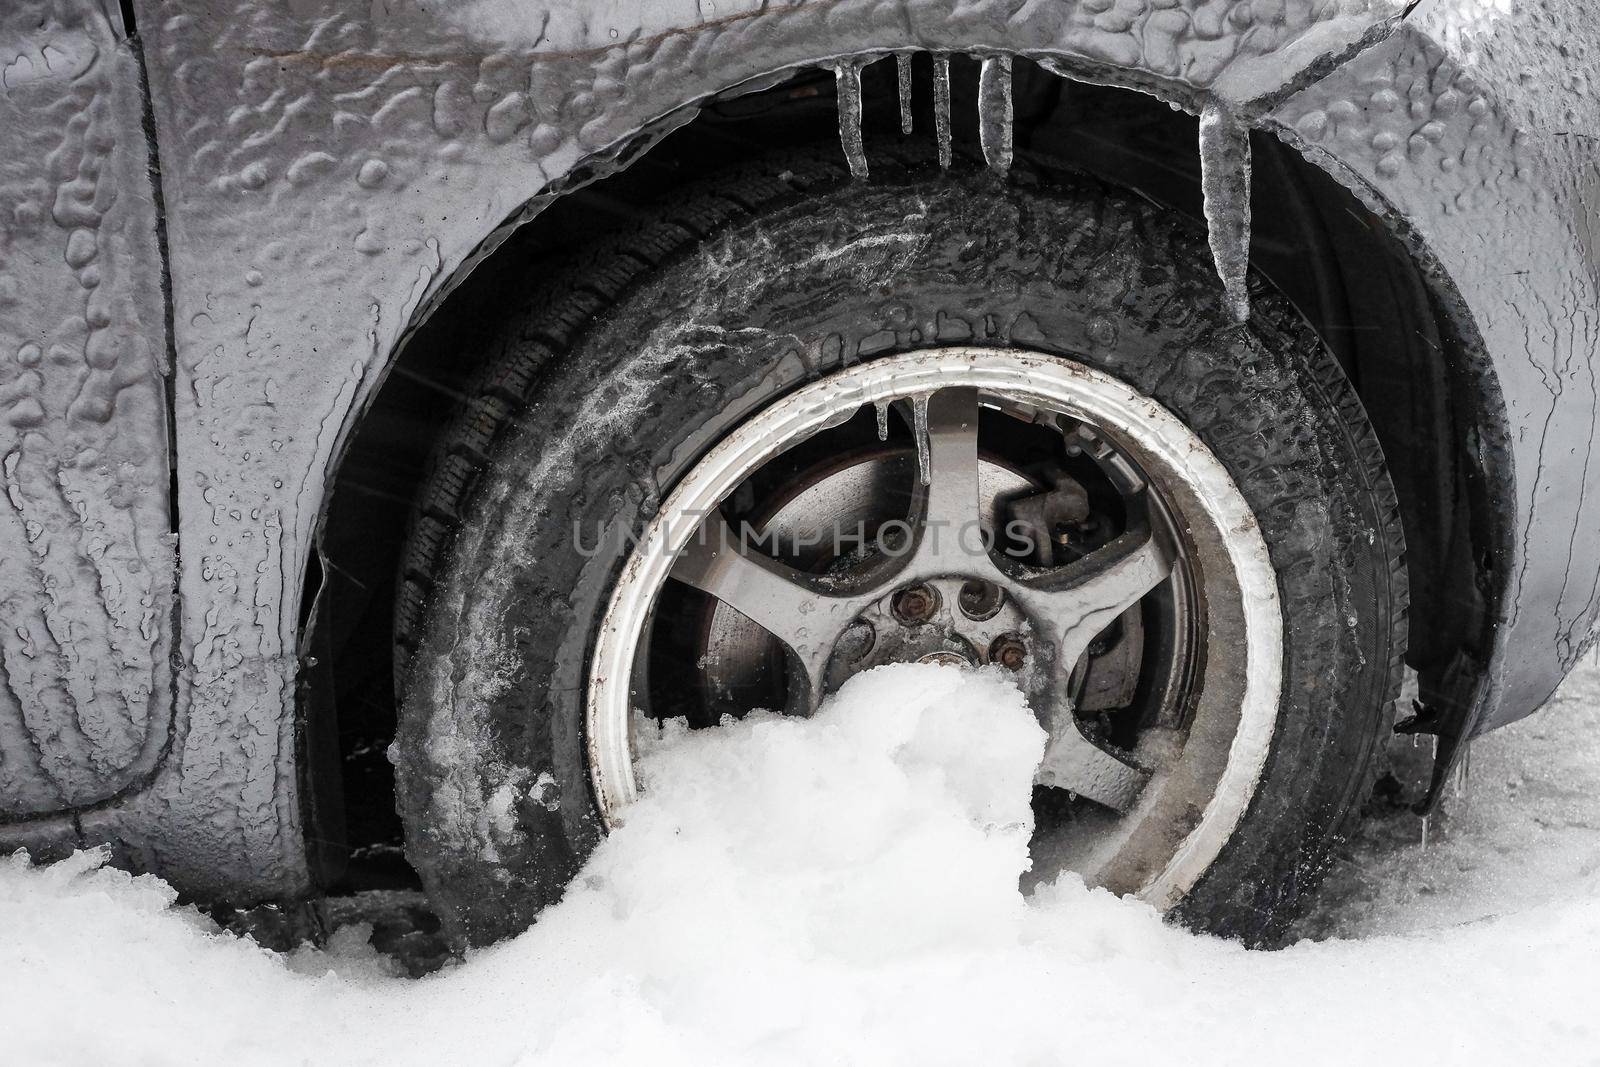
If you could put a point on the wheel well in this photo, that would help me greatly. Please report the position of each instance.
(1331, 256)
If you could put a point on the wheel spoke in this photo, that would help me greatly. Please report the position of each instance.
(1073, 762)
(1072, 605)
(949, 538)
(789, 604)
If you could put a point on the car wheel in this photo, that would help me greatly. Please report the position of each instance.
(799, 426)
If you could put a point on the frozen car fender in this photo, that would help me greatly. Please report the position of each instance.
(1472, 128)
(329, 172)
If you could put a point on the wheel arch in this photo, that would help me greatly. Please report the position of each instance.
(424, 364)
(331, 175)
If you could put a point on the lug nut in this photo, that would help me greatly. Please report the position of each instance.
(916, 605)
(857, 641)
(980, 600)
(1009, 651)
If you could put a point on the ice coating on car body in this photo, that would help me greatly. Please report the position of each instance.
(85, 557)
(1472, 159)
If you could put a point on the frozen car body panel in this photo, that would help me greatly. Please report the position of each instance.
(85, 556)
(1475, 126)
(330, 172)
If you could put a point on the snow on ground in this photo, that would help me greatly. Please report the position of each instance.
(844, 890)
(1520, 831)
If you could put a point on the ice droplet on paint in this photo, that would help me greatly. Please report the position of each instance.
(848, 78)
(941, 106)
(1225, 183)
(994, 112)
(902, 71)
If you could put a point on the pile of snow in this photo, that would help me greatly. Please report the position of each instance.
(841, 890)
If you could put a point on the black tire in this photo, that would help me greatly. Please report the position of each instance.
(612, 385)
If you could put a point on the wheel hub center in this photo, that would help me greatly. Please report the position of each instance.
(956, 620)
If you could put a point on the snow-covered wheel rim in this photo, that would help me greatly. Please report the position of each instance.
(1158, 849)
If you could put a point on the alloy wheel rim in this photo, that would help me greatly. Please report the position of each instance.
(1065, 608)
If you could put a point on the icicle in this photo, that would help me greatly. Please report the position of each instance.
(994, 112)
(848, 77)
(941, 106)
(902, 70)
(1225, 182)
(883, 419)
(919, 430)
(1424, 833)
